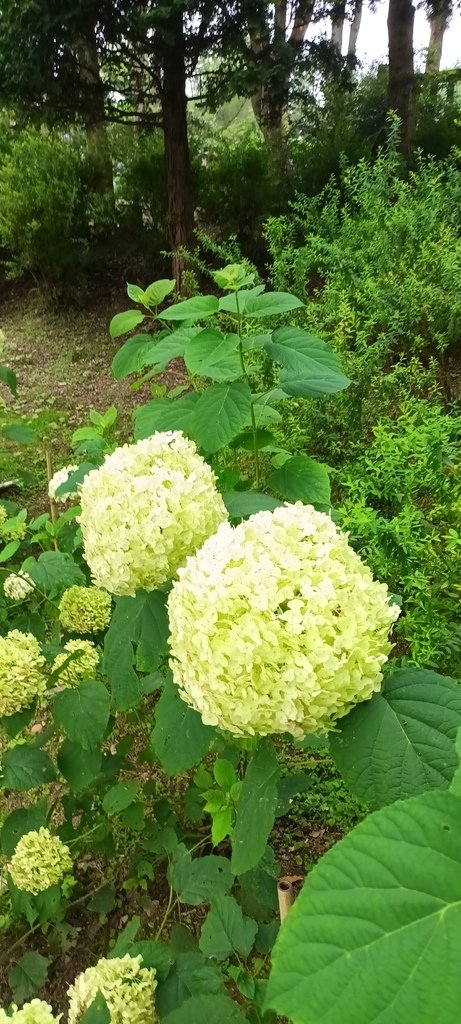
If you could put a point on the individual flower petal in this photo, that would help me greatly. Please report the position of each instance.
(276, 625)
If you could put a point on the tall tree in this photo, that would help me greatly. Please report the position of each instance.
(400, 23)
(338, 17)
(439, 14)
(355, 28)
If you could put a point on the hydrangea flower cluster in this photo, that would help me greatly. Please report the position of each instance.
(59, 478)
(12, 529)
(18, 585)
(3, 515)
(127, 988)
(21, 676)
(35, 1012)
(278, 626)
(39, 860)
(82, 667)
(84, 609)
(145, 509)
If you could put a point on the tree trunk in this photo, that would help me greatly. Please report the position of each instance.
(337, 25)
(180, 211)
(354, 29)
(438, 20)
(94, 112)
(400, 21)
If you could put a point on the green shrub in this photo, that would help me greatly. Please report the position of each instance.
(43, 220)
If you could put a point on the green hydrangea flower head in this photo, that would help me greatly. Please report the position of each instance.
(82, 667)
(3, 515)
(21, 676)
(39, 860)
(18, 585)
(276, 625)
(58, 478)
(85, 609)
(35, 1012)
(147, 508)
(127, 988)
(14, 528)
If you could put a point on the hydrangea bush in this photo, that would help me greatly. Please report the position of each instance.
(229, 618)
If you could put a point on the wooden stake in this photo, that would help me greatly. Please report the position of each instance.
(286, 895)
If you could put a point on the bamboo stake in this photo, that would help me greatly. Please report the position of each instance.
(286, 895)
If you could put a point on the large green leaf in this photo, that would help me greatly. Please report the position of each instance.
(302, 479)
(20, 433)
(131, 356)
(200, 879)
(28, 976)
(402, 741)
(26, 767)
(258, 888)
(82, 712)
(156, 292)
(271, 304)
(140, 620)
(190, 977)
(165, 414)
(241, 504)
(20, 821)
(179, 738)
(214, 1009)
(220, 414)
(214, 355)
(226, 931)
(79, 767)
(124, 322)
(54, 571)
(311, 368)
(374, 935)
(197, 308)
(120, 796)
(259, 791)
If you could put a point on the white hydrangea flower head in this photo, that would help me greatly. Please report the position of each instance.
(59, 478)
(127, 987)
(85, 609)
(21, 675)
(18, 585)
(39, 860)
(276, 625)
(82, 667)
(35, 1012)
(147, 508)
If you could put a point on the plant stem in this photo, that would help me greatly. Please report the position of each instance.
(245, 374)
(166, 914)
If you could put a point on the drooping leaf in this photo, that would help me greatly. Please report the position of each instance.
(191, 975)
(8, 377)
(302, 479)
(199, 879)
(197, 308)
(82, 712)
(259, 790)
(164, 414)
(26, 767)
(226, 931)
(311, 368)
(377, 924)
(20, 433)
(214, 355)
(214, 1009)
(220, 414)
(28, 976)
(131, 356)
(124, 322)
(241, 504)
(402, 741)
(80, 767)
(18, 822)
(179, 738)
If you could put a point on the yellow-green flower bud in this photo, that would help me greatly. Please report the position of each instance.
(85, 609)
(39, 860)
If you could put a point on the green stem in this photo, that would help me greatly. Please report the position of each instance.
(166, 914)
(245, 374)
